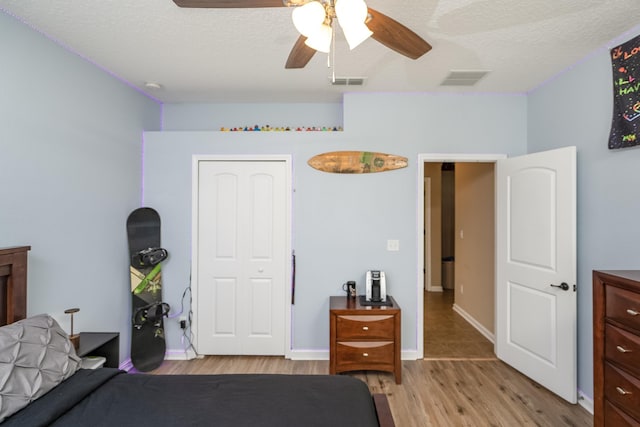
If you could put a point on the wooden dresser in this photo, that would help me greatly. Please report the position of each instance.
(13, 284)
(364, 337)
(616, 344)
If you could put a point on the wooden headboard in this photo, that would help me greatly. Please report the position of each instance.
(13, 284)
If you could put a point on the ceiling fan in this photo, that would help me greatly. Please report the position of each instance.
(380, 27)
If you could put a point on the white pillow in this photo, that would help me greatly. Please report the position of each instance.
(35, 356)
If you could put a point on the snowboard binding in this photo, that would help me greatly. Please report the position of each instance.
(152, 313)
(149, 257)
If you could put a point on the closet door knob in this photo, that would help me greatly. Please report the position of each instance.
(632, 312)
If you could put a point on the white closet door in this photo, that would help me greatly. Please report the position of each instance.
(242, 257)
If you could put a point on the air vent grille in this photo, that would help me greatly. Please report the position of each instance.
(464, 77)
(347, 81)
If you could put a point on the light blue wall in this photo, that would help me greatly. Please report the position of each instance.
(576, 109)
(340, 222)
(70, 167)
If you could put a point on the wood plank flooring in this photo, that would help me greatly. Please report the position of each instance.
(460, 382)
(433, 392)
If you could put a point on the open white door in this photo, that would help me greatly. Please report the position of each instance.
(536, 267)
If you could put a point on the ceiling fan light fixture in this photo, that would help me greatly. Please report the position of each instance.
(309, 18)
(351, 15)
(356, 34)
(320, 40)
(351, 11)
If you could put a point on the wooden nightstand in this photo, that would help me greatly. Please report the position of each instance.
(364, 337)
(105, 344)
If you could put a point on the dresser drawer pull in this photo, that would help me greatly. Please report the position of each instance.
(621, 349)
(365, 354)
(622, 391)
(365, 328)
(632, 312)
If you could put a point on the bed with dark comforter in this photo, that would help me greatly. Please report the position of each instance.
(109, 397)
(41, 384)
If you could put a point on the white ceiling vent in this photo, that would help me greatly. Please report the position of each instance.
(463, 77)
(347, 81)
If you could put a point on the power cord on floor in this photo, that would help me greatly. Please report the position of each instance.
(187, 333)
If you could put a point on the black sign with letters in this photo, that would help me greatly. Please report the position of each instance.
(625, 125)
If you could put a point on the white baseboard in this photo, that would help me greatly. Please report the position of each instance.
(126, 365)
(180, 354)
(435, 289)
(309, 354)
(409, 354)
(585, 401)
(473, 322)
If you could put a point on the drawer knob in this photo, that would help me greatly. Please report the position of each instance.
(365, 354)
(632, 312)
(621, 349)
(622, 391)
(365, 328)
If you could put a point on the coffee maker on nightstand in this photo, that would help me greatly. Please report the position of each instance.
(376, 286)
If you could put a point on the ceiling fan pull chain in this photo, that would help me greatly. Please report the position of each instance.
(333, 49)
(331, 57)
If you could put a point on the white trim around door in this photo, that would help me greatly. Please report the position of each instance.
(422, 158)
(196, 159)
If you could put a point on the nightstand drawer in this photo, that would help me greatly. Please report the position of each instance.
(622, 389)
(623, 348)
(358, 327)
(364, 337)
(365, 353)
(623, 306)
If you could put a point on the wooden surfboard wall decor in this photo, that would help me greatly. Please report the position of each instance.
(356, 162)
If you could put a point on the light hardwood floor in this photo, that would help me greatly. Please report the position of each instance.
(460, 382)
(432, 393)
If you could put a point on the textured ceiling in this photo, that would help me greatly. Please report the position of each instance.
(238, 55)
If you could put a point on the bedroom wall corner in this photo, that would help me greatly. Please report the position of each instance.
(71, 167)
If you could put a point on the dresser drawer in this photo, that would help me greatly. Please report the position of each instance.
(622, 389)
(623, 348)
(361, 327)
(617, 417)
(623, 306)
(364, 353)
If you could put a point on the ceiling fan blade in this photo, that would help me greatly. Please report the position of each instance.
(396, 36)
(222, 4)
(300, 55)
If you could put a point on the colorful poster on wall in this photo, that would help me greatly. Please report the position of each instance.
(625, 126)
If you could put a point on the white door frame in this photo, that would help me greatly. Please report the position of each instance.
(196, 159)
(422, 158)
(426, 237)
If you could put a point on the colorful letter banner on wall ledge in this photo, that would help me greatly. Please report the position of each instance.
(625, 126)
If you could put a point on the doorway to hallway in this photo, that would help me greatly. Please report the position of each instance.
(458, 304)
